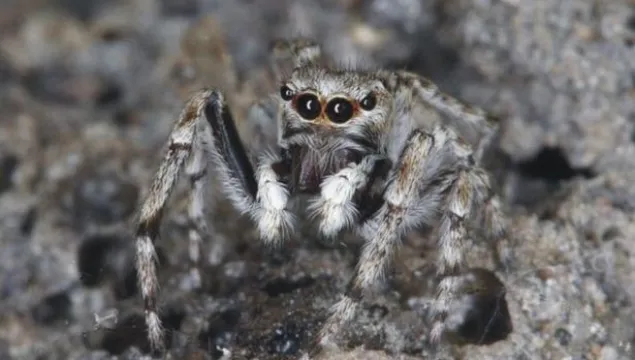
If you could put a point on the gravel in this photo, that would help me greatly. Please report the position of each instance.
(90, 90)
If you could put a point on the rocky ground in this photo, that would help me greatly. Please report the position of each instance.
(90, 89)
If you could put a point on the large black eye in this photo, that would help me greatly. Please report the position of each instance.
(308, 106)
(369, 102)
(286, 93)
(339, 110)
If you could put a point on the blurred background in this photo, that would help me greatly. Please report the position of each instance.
(89, 91)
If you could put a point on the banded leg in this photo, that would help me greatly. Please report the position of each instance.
(287, 55)
(465, 117)
(196, 171)
(495, 226)
(189, 140)
(411, 198)
(452, 234)
(472, 181)
(180, 146)
(462, 292)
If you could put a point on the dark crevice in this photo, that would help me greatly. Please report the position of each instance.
(132, 331)
(92, 258)
(563, 336)
(126, 286)
(28, 221)
(7, 73)
(286, 339)
(110, 95)
(102, 199)
(8, 165)
(280, 286)
(220, 331)
(551, 164)
(113, 35)
(83, 10)
(60, 85)
(124, 116)
(378, 312)
(104, 257)
(185, 8)
(129, 332)
(630, 22)
(487, 319)
(52, 309)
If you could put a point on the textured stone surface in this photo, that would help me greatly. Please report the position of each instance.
(89, 91)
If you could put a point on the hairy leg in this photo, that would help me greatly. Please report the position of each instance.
(434, 175)
(494, 224)
(472, 187)
(286, 55)
(189, 140)
(451, 243)
(179, 149)
(465, 117)
(464, 294)
(418, 183)
(196, 171)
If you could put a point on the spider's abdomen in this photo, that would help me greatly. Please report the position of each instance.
(310, 166)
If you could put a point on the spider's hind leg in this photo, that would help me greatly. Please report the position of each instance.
(289, 54)
(469, 303)
(473, 123)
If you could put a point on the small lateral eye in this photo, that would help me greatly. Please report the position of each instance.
(286, 93)
(369, 102)
(308, 106)
(339, 110)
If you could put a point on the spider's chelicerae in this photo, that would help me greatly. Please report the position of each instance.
(366, 148)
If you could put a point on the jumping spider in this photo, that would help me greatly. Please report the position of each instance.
(353, 141)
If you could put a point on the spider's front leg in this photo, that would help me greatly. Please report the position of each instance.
(261, 195)
(402, 208)
(434, 175)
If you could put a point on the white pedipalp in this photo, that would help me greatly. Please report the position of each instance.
(270, 212)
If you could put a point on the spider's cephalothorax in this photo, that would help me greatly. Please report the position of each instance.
(362, 146)
(330, 119)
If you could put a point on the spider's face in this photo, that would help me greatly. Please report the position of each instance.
(319, 105)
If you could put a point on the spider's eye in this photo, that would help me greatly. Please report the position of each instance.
(308, 106)
(286, 93)
(369, 102)
(339, 110)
